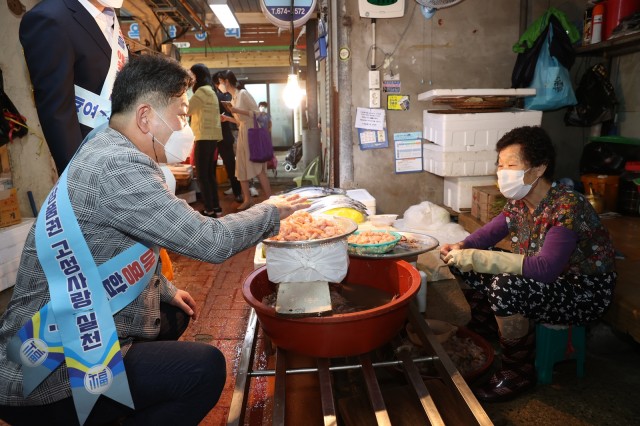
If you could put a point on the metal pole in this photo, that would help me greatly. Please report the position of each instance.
(345, 144)
(260, 373)
(311, 136)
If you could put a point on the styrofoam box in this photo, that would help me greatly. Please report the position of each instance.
(12, 239)
(474, 131)
(458, 191)
(365, 198)
(457, 163)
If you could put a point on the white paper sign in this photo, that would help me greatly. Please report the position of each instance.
(370, 118)
(409, 165)
(408, 149)
(408, 152)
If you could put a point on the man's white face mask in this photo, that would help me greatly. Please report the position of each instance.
(178, 147)
(116, 4)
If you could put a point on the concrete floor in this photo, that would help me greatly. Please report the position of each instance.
(609, 394)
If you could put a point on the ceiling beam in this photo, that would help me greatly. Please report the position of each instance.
(226, 60)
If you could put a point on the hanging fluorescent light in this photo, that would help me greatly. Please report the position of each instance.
(224, 13)
(292, 93)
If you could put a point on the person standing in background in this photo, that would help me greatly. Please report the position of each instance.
(225, 146)
(73, 50)
(264, 119)
(244, 109)
(205, 122)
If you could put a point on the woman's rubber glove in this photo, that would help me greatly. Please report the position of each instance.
(485, 261)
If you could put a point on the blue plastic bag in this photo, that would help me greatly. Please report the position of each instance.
(551, 81)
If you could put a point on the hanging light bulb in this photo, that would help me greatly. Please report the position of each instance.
(292, 93)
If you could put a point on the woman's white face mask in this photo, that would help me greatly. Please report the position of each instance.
(511, 183)
(222, 87)
(178, 147)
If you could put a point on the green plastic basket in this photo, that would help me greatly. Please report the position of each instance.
(374, 248)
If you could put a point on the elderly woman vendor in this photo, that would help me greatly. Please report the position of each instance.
(560, 269)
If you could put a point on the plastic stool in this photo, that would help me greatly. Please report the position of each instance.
(311, 174)
(556, 343)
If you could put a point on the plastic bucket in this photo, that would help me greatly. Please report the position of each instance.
(340, 334)
(604, 185)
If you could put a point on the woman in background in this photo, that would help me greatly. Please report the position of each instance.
(244, 109)
(205, 122)
(226, 147)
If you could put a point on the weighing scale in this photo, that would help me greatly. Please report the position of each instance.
(309, 296)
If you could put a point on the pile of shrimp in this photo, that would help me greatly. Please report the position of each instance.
(370, 237)
(301, 226)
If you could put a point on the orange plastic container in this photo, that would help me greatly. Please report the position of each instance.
(341, 334)
(604, 185)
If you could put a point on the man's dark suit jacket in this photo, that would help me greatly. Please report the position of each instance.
(63, 45)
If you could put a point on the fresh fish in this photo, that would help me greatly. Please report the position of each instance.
(335, 201)
(310, 192)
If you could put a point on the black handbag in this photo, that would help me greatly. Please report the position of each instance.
(12, 124)
(596, 97)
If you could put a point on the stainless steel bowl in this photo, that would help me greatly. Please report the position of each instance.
(348, 225)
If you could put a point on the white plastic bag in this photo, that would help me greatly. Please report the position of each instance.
(325, 262)
(433, 220)
(423, 216)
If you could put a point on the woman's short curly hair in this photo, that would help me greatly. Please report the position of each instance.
(536, 147)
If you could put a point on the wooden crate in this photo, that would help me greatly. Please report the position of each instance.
(471, 224)
(9, 208)
(487, 202)
(4, 159)
(183, 182)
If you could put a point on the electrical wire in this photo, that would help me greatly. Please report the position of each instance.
(413, 11)
(387, 56)
(375, 66)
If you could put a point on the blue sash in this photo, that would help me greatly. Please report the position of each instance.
(84, 298)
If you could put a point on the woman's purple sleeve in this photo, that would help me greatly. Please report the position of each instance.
(489, 235)
(547, 265)
(553, 257)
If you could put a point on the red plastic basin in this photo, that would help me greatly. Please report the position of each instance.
(340, 334)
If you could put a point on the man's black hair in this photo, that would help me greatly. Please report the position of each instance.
(154, 79)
